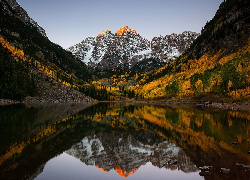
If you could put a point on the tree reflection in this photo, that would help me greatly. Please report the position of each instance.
(123, 137)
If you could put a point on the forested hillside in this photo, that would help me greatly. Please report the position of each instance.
(217, 62)
(15, 81)
(31, 64)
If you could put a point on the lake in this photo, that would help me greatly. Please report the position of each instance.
(123, 140)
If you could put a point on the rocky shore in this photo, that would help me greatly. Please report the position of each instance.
(51, 91)
(232, 106)
(8, 102)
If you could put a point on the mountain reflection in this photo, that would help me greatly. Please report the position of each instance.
(124, 153)
(124, 137)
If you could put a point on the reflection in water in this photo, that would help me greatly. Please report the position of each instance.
(124, 137)
(124, 153)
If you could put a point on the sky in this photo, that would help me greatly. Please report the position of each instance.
(69, 22)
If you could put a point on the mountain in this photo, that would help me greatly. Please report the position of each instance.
(172, 46)
(125, 154)
(215, 67)
(126, 48)
(211, 65)
(228, 30)
(31, 65)
(14, 9)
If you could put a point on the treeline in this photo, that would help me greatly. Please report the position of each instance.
(98, 94)
(102, 94)
(127, 92)
(15, 80)
(222, 79)
(156, 75)
(148, 64)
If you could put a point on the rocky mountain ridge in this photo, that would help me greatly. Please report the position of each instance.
(228, 30)
(126, 154)
(126, 47)
(217, 61)
(14, 9)
(32, 68)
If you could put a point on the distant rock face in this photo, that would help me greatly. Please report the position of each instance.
(126, 47)
(14, 9)
(172, 46)
(126, 155)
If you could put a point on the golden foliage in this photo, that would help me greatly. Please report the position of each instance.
(18, 55)
(230, 85)
(155, 89)
(186, 88)
(199, 86)
(239, 114)
(240, 93)
(239, 68)
(15, 149)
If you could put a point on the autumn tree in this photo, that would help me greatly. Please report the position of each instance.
(199, 87)
(172, 88)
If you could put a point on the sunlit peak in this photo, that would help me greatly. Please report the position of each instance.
(125, 29)
(124, 173)
(103, 32)
(102, 169)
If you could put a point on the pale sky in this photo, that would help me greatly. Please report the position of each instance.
(68, 22)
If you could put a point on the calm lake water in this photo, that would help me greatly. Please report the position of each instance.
(121, 140)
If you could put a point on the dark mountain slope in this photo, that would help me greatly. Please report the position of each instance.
(229, 30)
(15, 80)
(217, 64)
(26, 37)
(40, 60)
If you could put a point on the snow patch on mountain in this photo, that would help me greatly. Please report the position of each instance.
(109, 50)
(108, 152)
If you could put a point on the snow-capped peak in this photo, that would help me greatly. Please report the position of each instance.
(125, 29)
(126, 48)
(103, 32)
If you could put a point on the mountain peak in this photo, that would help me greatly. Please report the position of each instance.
(103, 32)
(125, 29)
(124, 173)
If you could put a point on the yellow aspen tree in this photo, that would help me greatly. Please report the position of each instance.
(186, 88)
(230, 84)
(199, 87)
(239, 68)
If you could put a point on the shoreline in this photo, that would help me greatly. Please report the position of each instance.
(6, 102)
(230, 106)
